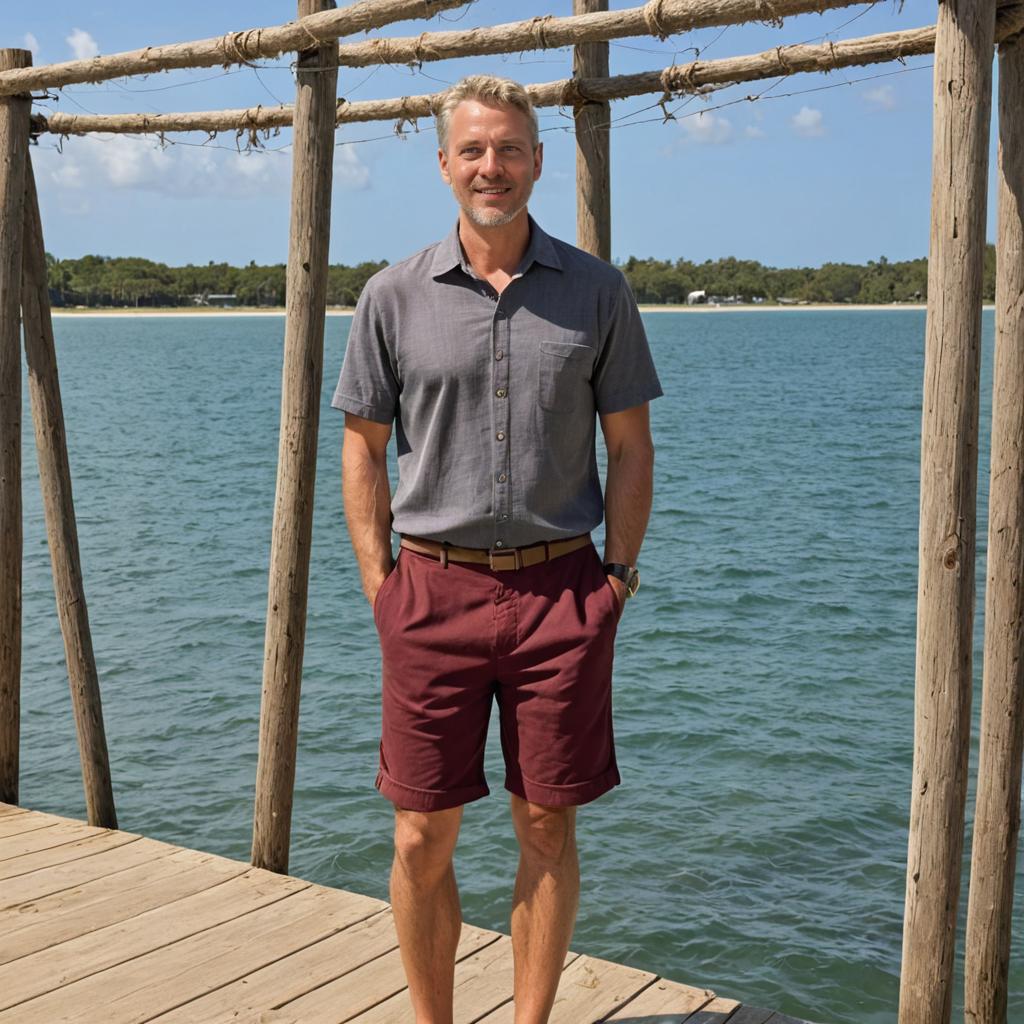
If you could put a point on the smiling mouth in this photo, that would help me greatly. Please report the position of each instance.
(493, 191)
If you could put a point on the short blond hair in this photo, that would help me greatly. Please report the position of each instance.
(486, 89)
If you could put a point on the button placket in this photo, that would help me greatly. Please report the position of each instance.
(502, 471)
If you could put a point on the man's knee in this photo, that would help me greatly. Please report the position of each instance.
(425, 841)
(545, 833)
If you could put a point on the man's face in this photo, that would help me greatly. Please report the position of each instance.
(491, 164)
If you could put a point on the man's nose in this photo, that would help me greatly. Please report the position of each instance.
(490, 165)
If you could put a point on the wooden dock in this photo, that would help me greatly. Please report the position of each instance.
(101, 926)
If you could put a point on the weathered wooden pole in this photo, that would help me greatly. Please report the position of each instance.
(306, 305)
(59, 507)
(949, 456)
(593, 149)
(997, 807)
(14, 136)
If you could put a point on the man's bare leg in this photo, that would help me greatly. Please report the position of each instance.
(425, 903)
(544, 904)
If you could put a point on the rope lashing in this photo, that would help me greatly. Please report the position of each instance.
(538, 29)
(652, 18)
(241, 47)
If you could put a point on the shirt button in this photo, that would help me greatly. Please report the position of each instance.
(499, 543)
(499, 354)
(500, 392)
(502, 477)
(500, 435)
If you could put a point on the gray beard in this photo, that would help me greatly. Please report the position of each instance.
(493, 219)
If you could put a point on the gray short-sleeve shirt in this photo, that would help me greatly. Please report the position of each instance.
(494, 396)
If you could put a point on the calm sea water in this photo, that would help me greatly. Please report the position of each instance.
(764, 686)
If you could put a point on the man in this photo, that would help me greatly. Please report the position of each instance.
(491, 352)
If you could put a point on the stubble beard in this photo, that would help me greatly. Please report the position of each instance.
(484, 218)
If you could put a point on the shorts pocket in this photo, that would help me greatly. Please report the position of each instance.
(385, 586)
(563, 374)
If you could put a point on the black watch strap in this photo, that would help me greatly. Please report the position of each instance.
(629, 575)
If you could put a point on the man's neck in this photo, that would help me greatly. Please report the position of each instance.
(495, 251)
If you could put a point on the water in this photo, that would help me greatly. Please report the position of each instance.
(764, 678)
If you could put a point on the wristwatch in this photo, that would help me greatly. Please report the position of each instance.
(629, 574)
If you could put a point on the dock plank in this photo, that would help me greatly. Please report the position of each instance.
(292, 976)
(747, 1014)
(483, 982)
(88, 908)
(103, 925)
(42, 972)
(45, 881)
(141, 988)
(669, 1001)
(352, 995)
(718, 1011)
(590, 989)
(44, 838)
(14, 824)
(86, 847)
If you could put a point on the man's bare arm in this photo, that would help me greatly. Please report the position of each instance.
(629, 486)
(366, 492)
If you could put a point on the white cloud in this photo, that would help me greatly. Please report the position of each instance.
(884, 97)
(753, 132)
(100, 163)
(31, 43)
(707, 129)
(808, 122)
(83, 46)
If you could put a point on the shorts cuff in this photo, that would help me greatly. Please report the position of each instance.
(413, 799)
(563, 796)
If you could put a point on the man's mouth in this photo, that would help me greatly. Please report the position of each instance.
(491, 191)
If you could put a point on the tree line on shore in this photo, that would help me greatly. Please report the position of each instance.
(105, 281)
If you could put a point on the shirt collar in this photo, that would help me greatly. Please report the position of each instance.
(540, 249)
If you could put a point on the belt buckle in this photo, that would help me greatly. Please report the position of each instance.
(496, 554)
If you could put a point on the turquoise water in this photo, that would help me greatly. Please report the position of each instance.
(764, 679)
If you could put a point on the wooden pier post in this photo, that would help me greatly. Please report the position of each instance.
(14, 136)
(964, 43)
(997, 813)
(593, 147)
(59, 507)
(306, 305)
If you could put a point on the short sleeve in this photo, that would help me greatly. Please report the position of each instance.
(368, 385)
(624, 373)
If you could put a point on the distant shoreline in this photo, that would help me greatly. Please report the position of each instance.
(132, 311)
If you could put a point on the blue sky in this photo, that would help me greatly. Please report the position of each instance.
(803, 176)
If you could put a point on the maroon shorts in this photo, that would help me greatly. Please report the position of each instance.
(541, 639)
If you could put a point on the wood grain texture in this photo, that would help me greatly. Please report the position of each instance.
(292, 976)
(302, 375)
(949, 451)
(59, 509)
(997, 809)
(679, 79)
(14, 138)
(51, 969)
(150, 932)
(231, 48)
(593, 147)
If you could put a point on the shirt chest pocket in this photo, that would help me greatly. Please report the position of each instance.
(563, 372)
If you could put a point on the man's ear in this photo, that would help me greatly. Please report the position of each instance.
(538, 160)
(442, 160)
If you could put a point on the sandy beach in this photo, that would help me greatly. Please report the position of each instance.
(347, 310)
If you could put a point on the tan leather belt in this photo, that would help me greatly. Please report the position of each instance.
(497, 558)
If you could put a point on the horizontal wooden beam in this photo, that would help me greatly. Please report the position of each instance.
(230, 48)
(679, 79)
(655, 18)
